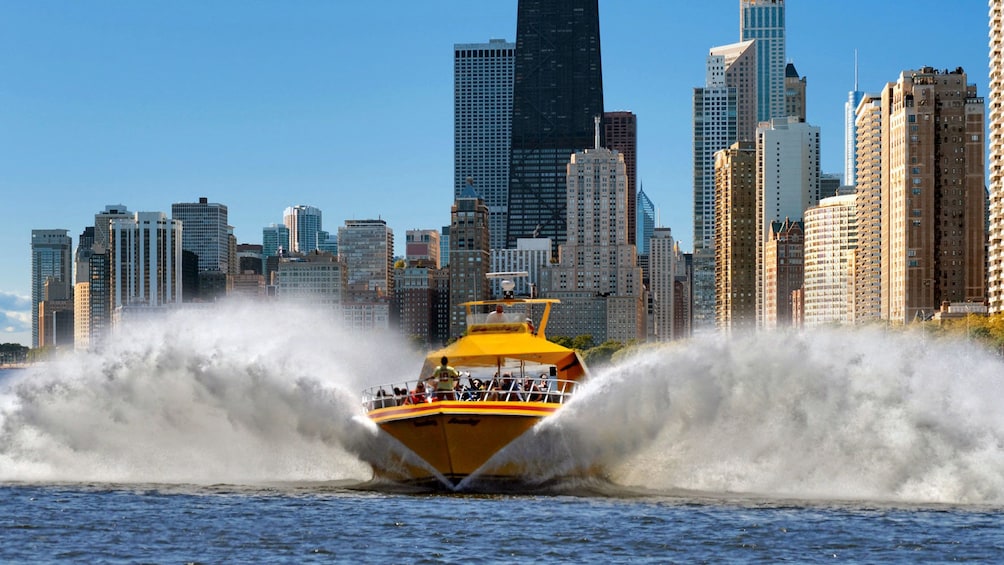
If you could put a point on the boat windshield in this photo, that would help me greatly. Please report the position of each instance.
(478, 318)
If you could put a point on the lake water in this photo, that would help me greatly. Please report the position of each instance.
(246, 442)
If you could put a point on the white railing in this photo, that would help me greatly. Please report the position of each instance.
(550, 390)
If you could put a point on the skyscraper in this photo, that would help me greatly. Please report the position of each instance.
(854, 98)
(482, 126)
(469, 256)
(205, 232)
(831, 235)
(724, 113)
(783, 274)
(794, 93)
(145, 262)
(868, 255)
(663, 271)
(557, 92)
(933, 201)
(763, 20)
(787, 182)
(598, 275)
(735, 237)
(995, 274)
(645, 222)
(304, 224)
(367, 248)
(621, 134)
(51, 260)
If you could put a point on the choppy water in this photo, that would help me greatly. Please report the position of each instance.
(238, 442)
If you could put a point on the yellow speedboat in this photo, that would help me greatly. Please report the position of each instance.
(510, 378)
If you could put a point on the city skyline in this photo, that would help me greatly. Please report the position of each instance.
(260, 108)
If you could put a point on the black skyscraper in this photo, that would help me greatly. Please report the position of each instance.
(558, 90)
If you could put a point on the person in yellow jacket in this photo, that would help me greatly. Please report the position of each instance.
(446, 380)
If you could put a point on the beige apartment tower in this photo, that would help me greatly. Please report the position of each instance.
(867, 290)
(933, 202)
(995, 274)
(735, 237)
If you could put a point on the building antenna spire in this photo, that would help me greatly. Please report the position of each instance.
(596, 132)
(855, 70)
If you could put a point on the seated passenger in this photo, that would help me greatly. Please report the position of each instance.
(383, 399)
(511, 387)
(418, 395)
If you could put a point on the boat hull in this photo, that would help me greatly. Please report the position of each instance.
(455, 439)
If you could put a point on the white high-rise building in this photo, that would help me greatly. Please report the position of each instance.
(598, 274)
(482, 126)
(663, 271)
(304, 224)
(763, 20)
(787, 181)
(995, 266)
(205, 233)
(145, 261)
(530, 256)
(831, 236)
(724, 113)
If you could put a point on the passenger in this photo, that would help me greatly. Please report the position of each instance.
(446, 380)
(382, 399)
(418, 395)
(477, 389)
(400, 395)
(470, 392)
(529, 326)
(511, 388)
(533, 391)
(496, 317)
(492, 388)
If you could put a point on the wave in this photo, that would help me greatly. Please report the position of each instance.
(237, 394)
(250, 394)
(826, 415)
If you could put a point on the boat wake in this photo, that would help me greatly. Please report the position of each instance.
(829, 415)
(259, 394)
(270, 395)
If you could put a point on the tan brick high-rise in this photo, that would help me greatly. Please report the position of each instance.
(933, 200)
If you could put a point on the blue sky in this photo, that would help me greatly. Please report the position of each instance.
(347, 106)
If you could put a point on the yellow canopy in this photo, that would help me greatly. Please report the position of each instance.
(489, 349)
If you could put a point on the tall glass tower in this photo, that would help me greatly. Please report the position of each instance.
(854, 98)
(557, 92)
(482, 126)
(763, 20)
(646, 221)
(304, 224)
(205, 232)
(51, 259)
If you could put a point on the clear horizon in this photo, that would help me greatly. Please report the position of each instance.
(349, 107)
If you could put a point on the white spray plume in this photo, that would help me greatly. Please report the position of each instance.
(240, 393)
